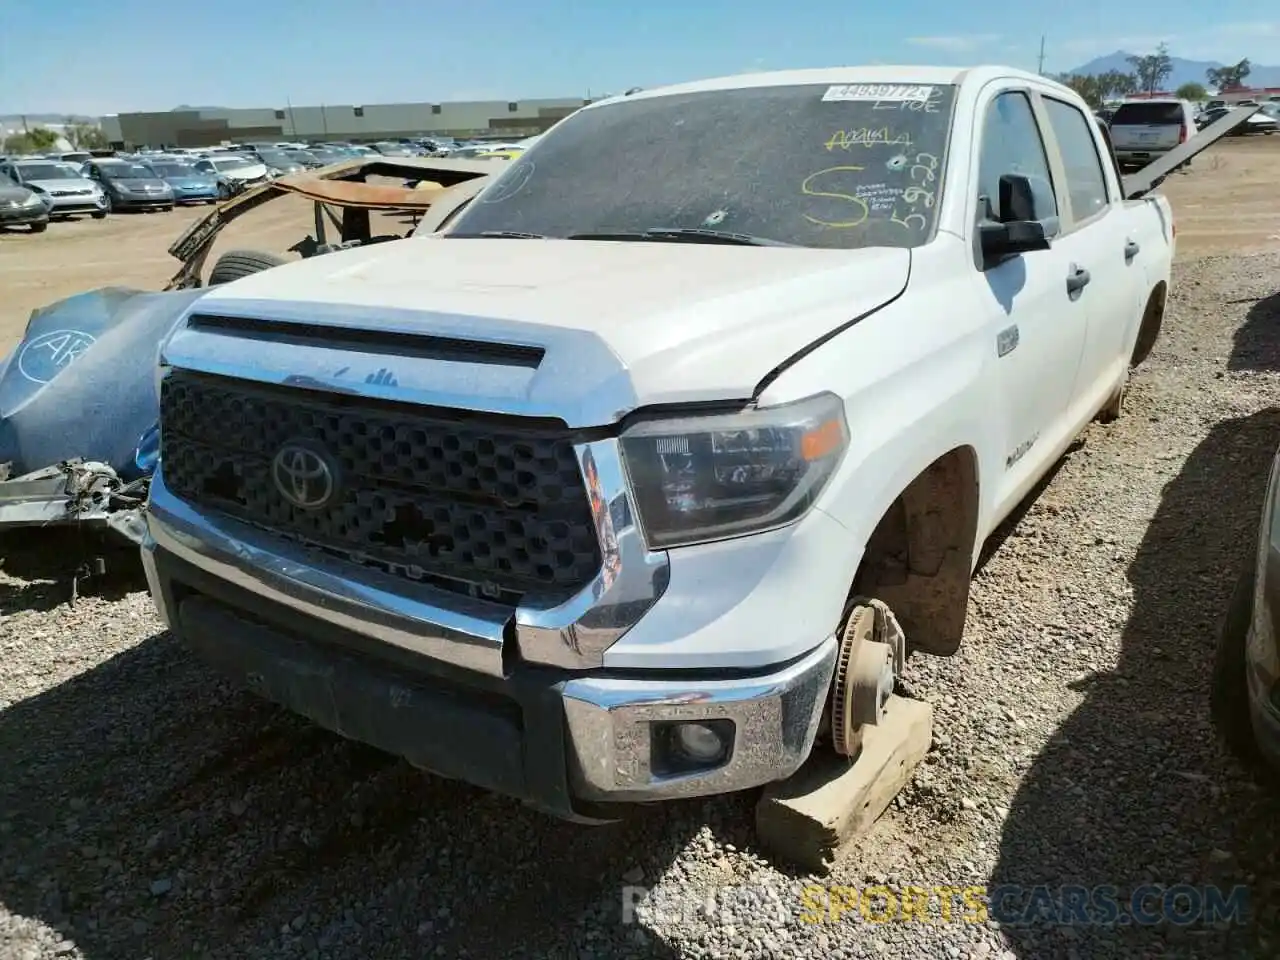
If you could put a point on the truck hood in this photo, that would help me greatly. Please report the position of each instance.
(583, 331)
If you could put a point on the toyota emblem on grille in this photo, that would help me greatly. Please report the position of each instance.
(303, 476)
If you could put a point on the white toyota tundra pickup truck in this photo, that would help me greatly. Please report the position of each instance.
(638, 479)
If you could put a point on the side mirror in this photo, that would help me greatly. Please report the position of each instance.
(1017, 200)
(1020, 228)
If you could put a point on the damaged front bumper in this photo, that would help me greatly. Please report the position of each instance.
(74, 492)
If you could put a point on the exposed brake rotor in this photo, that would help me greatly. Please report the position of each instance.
(872, 653)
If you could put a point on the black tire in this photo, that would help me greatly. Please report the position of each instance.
(224, 192)
(99, 214)
(167, 209)
(235, 264)
(40, 226)
(1149, 331)
(1229, 692)
(1113, 409)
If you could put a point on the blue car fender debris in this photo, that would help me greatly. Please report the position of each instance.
(79, 412)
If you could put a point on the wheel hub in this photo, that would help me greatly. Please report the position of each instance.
(872, 653)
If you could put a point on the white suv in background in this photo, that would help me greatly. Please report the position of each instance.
(1145, 130)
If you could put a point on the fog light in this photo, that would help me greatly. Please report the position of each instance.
(690, 746)
(699, 742)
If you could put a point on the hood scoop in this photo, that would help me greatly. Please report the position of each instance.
(424, 346)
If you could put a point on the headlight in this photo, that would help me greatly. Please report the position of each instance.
(701, 478)
(147, 455)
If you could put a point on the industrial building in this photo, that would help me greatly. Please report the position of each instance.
(208, 126)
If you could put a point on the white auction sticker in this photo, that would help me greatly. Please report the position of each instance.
(879, 91)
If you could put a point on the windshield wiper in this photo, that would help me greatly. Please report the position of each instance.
(500, 234)
(685, 235)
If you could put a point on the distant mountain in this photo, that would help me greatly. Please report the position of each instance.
(1184, 71)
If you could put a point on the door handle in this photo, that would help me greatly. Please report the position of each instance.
(1077, 279)
(1130, 250)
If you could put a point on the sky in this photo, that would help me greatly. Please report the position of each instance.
(97, 57)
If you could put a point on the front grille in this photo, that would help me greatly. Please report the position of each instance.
(483, 509)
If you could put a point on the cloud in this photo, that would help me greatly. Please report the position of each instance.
(1224, 42)
(959, 43)
(1097, 46)
(1256, 29)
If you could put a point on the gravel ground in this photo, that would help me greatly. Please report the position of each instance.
(146, 810)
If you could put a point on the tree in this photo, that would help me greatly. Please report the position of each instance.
(1229, 78)
(1122, 84)
(1095, 89)
(35, 140)
(1192, 91)
(1152, 69)
(86, 136)
(1086, 85)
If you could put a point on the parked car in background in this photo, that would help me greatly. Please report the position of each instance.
(76, 156)
(305, 157)
(188, 184)
(328, 155)
(389, 148)
(1263, 121)
(68, 192)
(21, 206)
(233, 173)
(1145, 130)
(277, 161)
(1244, 699)
(130, 185)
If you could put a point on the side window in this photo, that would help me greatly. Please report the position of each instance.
(1011, 143)
(1086, 184)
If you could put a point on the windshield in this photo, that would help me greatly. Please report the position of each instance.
(175, 170)
(1140, 113)
(275, 157)
(47, 171)
(302, 156)
(126, 171)
(852, 166)
(229, 163)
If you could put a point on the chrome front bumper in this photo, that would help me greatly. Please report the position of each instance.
(602, 734)
(611, 724)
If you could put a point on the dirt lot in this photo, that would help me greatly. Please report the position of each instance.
(131, 250)
(147, 810)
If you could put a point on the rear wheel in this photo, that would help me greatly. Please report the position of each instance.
(1149, 331)
(1229, 690)
(1114, 407)
(235, 264)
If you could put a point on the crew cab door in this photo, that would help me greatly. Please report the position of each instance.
(1098, 236)
(1037, 323)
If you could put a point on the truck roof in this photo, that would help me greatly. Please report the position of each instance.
(878, 73)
